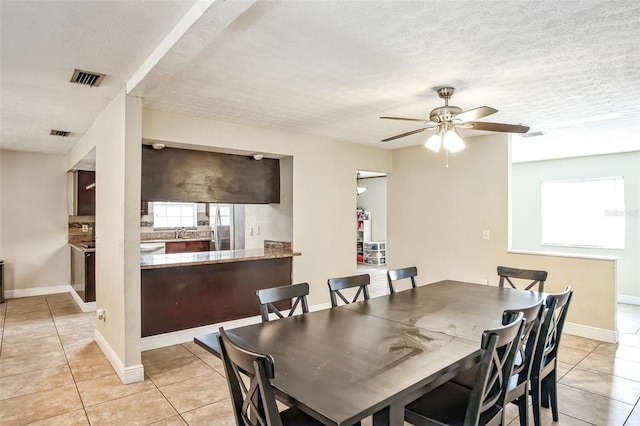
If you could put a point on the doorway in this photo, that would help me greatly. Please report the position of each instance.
(371, 229)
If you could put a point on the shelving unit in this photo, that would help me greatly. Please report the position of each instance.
(363, 232)
(375, 252)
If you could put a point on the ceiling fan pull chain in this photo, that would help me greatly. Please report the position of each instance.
(446, 158)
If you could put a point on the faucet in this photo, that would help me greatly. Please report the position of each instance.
(180, 231)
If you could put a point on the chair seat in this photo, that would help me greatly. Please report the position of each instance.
(447, 405)
(294, 417)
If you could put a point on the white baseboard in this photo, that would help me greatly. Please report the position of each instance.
(600, 334)
(132, 374)
(36, 291)
(631, 300)
(85, 306)
(184, 336)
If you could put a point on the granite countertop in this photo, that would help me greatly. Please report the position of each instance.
(153, 261)
(173, 240)
(78, 246)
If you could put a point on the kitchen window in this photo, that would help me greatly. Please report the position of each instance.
(584, 213)
(174, 215)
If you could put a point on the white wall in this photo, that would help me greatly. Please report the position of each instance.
(526, 219)
(436, 216)
(33, 223)
(375, 199)
(324, 196)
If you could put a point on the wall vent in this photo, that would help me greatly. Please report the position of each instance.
(532, 134)
(62, 133)
(87, 78)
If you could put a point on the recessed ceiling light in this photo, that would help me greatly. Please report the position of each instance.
(62, 133)
(87, 78)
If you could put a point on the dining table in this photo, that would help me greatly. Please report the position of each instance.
(371, 358)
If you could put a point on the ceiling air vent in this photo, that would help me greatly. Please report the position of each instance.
(62, 133)
(531, 134)
(87, 78)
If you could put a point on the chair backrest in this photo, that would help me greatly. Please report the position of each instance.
(341, 283)
(268, 296)
(537, 277)
(254, 404)
(528, 339)
(499, 347)
(400, 274)
(546, 351)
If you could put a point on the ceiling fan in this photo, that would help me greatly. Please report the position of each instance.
(447, 119)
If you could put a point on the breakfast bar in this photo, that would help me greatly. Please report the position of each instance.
(186, 290)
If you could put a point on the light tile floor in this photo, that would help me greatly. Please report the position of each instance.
(53, 373)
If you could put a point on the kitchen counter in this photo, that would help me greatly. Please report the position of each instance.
(186, 290)
(212, 257)
(79, 247)
(173, 240)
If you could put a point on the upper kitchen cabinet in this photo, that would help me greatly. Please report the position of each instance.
(86, 193)
(173, 174)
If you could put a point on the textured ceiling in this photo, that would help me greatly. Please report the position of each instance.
(570, 69)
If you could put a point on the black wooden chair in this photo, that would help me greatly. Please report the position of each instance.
(255, 404)
(399, 274)
(454, 404)
(518, 387)
(336, 284)
(268, 296)
(537, 277)
(544, 369)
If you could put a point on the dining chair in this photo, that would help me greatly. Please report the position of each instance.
(268, 296)
(454, 404)
(255, 404)
(394, 275)
(518, 386)
(336, 284)
(544, 369)
(537, 277)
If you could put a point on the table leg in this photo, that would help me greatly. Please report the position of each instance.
(392, 415)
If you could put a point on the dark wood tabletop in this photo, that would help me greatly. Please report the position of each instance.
(343, 364)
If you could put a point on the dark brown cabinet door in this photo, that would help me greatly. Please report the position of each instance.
(86, 197)
(186, 246)
(90, 276)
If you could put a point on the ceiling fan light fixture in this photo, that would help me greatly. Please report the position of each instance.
(434, 142)
(452, 142)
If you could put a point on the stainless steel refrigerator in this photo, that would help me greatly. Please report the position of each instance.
(227, 226)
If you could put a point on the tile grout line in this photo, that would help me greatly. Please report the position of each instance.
(73, 377)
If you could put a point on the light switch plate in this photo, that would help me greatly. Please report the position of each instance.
(485, 234)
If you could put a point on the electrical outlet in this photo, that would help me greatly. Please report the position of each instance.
(486, 235)
(101, 314)
(85, 228)
(484, 281)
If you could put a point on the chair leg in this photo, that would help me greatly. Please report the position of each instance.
(544, 392)
(522, 409)
(535, 402)
(552, 390)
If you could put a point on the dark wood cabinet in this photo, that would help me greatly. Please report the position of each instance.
(83, 273)
(144, 208)
(86, 198)
(186, 246)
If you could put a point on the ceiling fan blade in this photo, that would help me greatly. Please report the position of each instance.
(499, 127)
(407, 119)
(475, 113)
(413, 132)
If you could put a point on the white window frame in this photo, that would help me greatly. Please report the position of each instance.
(175, 215)
(583, 213)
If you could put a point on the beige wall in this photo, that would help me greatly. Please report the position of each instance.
(33, 222)
(275, 221)
(116, 135)
(324, 195)
(436, 216)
